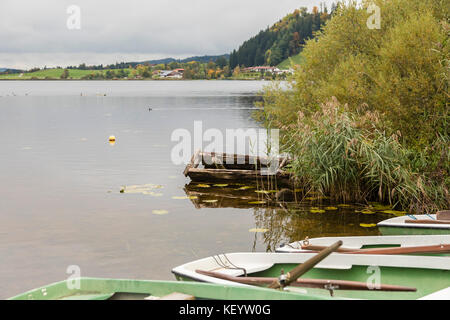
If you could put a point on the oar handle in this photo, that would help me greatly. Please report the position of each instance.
(304, 267)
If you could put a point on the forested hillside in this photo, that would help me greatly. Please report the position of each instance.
(282, 40)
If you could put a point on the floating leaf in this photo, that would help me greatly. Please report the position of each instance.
(257, 202)
(379, 207)
(262, 191)
(193, 197)
(367, 225)
(317, 211)
(343, 205)
(258, 230)
(221, 185)
(144, 189)
(160, 212)
(394, 212)
(245, 188)
(366, 211)
(331, 208)
(210, 201)
(203, 186)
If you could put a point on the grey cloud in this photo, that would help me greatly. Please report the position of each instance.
(131, 28)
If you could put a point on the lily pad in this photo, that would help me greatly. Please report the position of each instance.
(210, 201)
(245, 188)
(221, 185)
(317, 211)
(160, 212)
(394, 212)
(261, 230)
(331, 208)
(368, 225)
(344, 205)
(257, 202)
(203, 186)
(366, 211)
(143, 189)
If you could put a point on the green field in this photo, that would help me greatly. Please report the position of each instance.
(286, 64)
(50, 74)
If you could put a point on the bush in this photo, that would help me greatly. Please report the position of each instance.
(343, 154)
(400, 70)
(388, 140)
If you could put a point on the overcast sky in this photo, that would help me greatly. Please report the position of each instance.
(35, 33)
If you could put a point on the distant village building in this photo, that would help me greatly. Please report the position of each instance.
(171, 74)
(263, 69)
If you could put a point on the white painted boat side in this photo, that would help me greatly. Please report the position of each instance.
(359, 242)
(443, 294)
(253, 262)
(399, 222)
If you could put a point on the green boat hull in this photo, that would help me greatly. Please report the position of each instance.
(426, 281)
(398, 231)
(104, 289)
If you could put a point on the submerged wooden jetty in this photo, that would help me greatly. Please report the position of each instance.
(225, 167)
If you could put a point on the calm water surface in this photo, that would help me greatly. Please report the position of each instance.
(60, 179)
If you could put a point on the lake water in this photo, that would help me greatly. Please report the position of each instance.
(60, 181)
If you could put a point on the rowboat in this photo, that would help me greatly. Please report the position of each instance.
(226, 167)
(115, 289)
(418, 224)
(418, 245)
(339, 276)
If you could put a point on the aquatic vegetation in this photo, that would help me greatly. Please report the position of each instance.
(210, 201)
(257, 202)
(395, 212)
(221, 185)
(368, 225)
(245, 188)
(146, 189)
(258, 230)
(366, 211)
(317, 211)
(366, 114)
(202, 185)
(184, 197)
(160, 212)
(331, 208)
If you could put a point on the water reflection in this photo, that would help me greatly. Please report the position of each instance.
(304, 215)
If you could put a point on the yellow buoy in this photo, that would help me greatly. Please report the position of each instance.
(112, 140)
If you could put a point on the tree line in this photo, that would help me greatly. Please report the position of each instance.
(282, 40)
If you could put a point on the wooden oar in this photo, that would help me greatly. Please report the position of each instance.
(429, 221)
(304, 267)
(440, 248)
(309, 283)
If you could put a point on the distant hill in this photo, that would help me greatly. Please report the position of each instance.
(201, 59)
(282, 40)
(9, 70)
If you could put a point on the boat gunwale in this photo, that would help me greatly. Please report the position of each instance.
(399, 222)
